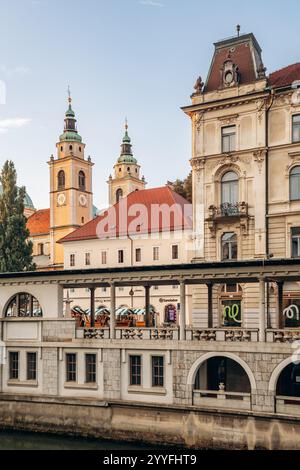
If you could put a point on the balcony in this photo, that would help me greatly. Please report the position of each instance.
(226, 213)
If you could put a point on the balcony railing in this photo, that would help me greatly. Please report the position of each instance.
(225, 210)
(169, 333)
(222, 399)
(283, 335)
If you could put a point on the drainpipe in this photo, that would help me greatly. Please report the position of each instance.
(269, 105)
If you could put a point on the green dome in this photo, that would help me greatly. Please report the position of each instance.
(127, 159)
(70, 112)
(28, 204)
(70, 136)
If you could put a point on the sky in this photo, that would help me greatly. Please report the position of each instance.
(134, 58)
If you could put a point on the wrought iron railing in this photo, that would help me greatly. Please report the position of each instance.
(238, 209)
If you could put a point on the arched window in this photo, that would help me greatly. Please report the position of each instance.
(295, 183)
(23, 305)
(230, 188)
(119, 194)
(81, 180)
(229, 246)
(61, 180)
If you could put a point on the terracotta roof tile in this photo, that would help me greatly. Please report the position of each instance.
(136, 214)
(39, 222)
(285, 76)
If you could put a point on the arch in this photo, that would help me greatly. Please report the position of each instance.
(194, 369)
(225, 168)
(294, 180)
(61, 180)
(229, 187)
(17, 303)
(277, 371)
(119, 194)
(81, 180)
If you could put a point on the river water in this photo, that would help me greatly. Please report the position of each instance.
(14, 440)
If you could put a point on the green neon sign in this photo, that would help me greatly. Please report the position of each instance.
(232, 312)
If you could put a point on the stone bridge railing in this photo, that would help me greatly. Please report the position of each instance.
(222, 334)
(283, 336)
(168, 333)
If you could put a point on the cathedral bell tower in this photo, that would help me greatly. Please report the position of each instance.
(71, 198)
(126, 173)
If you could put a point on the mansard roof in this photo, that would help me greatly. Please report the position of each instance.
(244, 51)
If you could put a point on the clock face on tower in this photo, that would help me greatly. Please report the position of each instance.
(82, 200)
(61, 199)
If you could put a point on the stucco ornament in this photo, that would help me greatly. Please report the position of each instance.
(259, 158)
(197, 121)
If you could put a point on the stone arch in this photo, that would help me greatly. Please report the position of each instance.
(193, 371)
(224, 168)
(277, 371)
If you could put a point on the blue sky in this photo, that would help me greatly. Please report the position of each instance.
(134, 58)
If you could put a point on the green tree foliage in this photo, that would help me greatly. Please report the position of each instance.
(183, 187)
(15, 248)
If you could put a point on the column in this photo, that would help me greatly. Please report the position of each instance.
(280, 319)
(210, 305)
(262, 305)
(147, 306)
(182, 317)
(112, 322)
(92, 306)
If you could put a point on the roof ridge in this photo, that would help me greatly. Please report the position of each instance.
(284, 68)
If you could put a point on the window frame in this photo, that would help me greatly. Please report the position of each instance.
(230, 243)
(14, 372)
(177, 252)
(121, 256)
(87, 259)
(295, 126)
(138, 255)
(74, 364)
(72, 260)
(81, 180)
(294, 176)
(230, 137)
(90, 371)
(155, 253)
(136, 374)
(31, 371)
(61, 180)
(297, 237)
(157, 371)
(104, 257)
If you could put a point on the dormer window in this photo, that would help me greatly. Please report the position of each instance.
(230, 72)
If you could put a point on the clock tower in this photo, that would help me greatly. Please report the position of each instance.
(71, 197)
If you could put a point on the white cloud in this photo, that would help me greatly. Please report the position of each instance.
(17, 70)
(12, 123)
(151, 3)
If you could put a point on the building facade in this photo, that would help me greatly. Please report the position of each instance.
(246, 165)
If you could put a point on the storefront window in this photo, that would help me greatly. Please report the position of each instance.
(291, 313)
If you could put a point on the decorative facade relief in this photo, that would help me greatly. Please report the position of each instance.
(197, 119)
(259, 158)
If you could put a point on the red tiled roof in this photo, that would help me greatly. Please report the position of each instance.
(285, 76)
(241, 56)
(39, 222)
(136, 214)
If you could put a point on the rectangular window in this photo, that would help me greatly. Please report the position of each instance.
(138, 255)
(135, 370)
(71, 367)
(104, 257)
(175, 252)
(14, 365)
(88, 259)
(40, 249)
(157, 371)
(31, 366)
(72, 260)
(296, 128)
(90, 368)
(229, 246)
(121, 256)
(295, 242)
(155, 253)
(231, 313)
(228, 139)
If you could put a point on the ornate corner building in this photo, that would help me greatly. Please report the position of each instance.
(246, 165)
